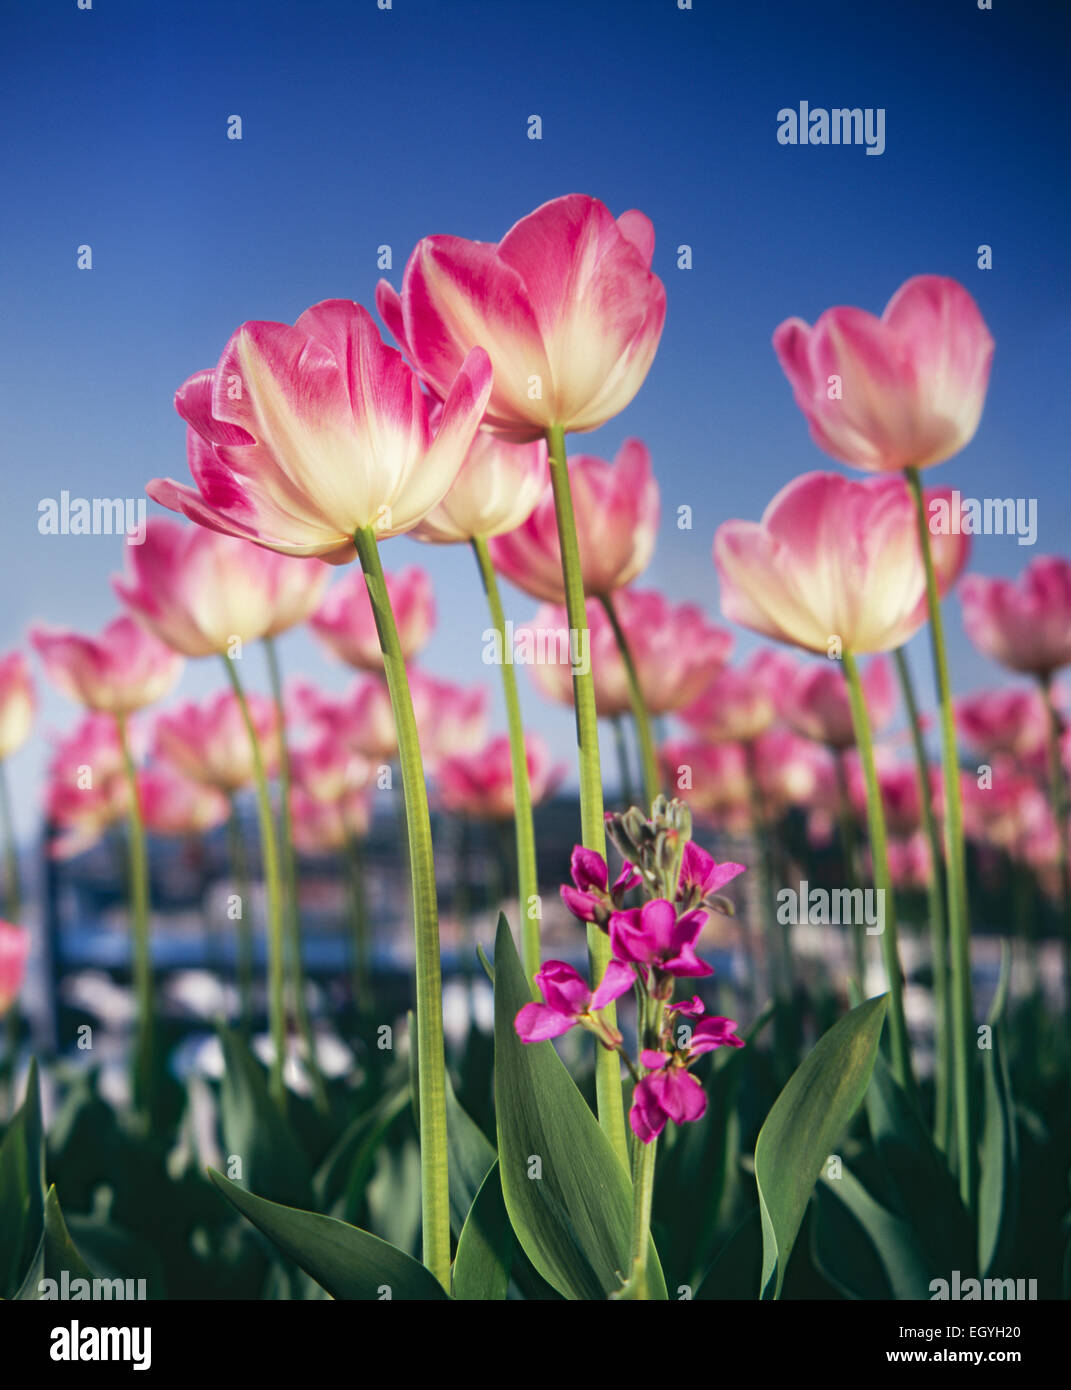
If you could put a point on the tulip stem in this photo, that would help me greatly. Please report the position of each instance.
(956, 876)
(361, 968)
(12, 885)
(846, 833)
(144, 1061)
(269, 850)
(640, 716)
(1058, 799)
(527, 874)
(943, 1118)
(608, 1090)
(431, 1061)
(290, 875)
(244, 947)
(864, 742)
(622, 761)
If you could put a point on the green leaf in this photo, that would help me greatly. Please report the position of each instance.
(347, 1262)
(55, 1253)
(862, 1248)
(737, 1265)
(574, 1220)
(485, 1250)
(804, 1124)
(22, 1187)
(344, 1173)
(999, 1174)
(255, 1131)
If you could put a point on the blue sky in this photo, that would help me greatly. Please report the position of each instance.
(363, 127)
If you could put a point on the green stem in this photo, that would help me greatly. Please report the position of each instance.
(643, 1172)
(622, 761)
(144, 1061)
(864, 742)
(360, 953)
(431, 1061)
(244, 949)
(956, 877)
(608, 1088)
(12, 886)
(846, 833)
(640, 716)
(1058, 799)
(269, 850)
(290, 875)
(527, 876)
(944, 1119)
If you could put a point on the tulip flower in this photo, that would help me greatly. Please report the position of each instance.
(172, 804)
(323, 827)
(909, 862)
(790, 771)
(815, 702)
(208, 742)
(900, 796)
(122, 670)
(570, 1001)
(325, 769)
(480, 784)
(14, 952)
(902, 391)
(496, 491)
(740, 703)
(715, 778)
(451, 718)
(83, 814)
(347, 626)
(565, 304)
(1026, 626)
(1003, 721)
(18, 702)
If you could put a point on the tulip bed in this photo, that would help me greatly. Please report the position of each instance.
(853, 1109)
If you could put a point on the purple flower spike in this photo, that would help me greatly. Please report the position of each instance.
(654, 936)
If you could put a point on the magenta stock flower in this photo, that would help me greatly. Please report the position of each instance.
(18, 702)
(565, 305)
(480, 784)
(302, 435)
(656, 937)
(172, 804)
(1025, 625)
(122, 670)
(740, 702)
(674, 648)
(591, 898)
(905, 390)
(498, 486)
(1003, 721)
(14, 952)
(346, 624)
(701, 875)
(815, 702)
(617, 510)
(208, 741)
(669, 1091)
(569, 1000)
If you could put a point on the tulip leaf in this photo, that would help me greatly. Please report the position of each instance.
(864, 1249)
(568, 1196)
(804, 1123)
(22, 1187)
(349, 1263)
(485, 1250)
(56, 1253)
(254, 1130)
(998, 1184)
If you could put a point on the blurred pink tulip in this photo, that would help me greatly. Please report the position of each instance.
(712, 778)
(1000, 810)
(1025, 625)
(327, 827)
(302, 435)
(122, 670)
(83, 803)
(617, 510)
(565, 304)
(18, 702)
(172, 804)
(814, 702)
(791, 771)
(496, 491)
(91, 752)
(480, 784)
(326, 768)
(741, 702)
(949, 548)
(833, 559)
(346, 624)
(362, 718)
(450, 718)
(905, 390)
(208, 740)
(674, 648)
(1003, 721)
(909, 862)
(14, 952)
(899, 786)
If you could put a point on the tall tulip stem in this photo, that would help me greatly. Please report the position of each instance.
(956, 878)
(431, 1061)
(273, 885)
(144, 1060)
(640, 715)
(1058, 799)
(244, 947)
(607, 1067)
(12, 886)
(527, 875)
(864, 742)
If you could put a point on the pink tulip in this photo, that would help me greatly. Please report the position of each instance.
(950, 549)
(1000, 814)
(496, 491)
(910, 865)
(565, 304)
(674, 648)
(18, 702)
(905, 390)
(91, 752)
(712, 778)
(208, 740)
(14, 952)
(791, 771)
(122, 670)
(569, 999)
(327, 827)
(832, 559)
(362, 718)
(347, 626)
(84, 809)
(899, 786)
(617, 511)
(325, 768)
(301, 436)
(1026, 625)
(450, 718)
(741, 702)
(815, 702)
(172, 804)
(481, 784)
(1003, 721)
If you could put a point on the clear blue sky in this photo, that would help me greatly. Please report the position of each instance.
(363, 127)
